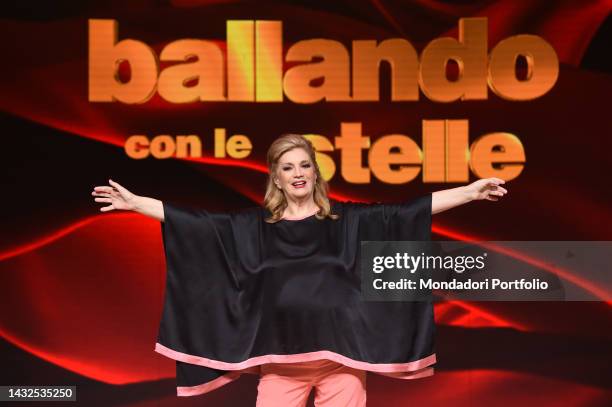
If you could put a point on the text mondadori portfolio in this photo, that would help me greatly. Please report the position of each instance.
(486, 284)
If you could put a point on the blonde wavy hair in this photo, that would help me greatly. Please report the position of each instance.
(274, 199)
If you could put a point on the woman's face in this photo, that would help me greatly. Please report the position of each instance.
(295, 174)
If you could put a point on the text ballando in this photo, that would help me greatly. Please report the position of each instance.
(251, 68)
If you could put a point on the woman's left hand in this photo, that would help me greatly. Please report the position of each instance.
(487, 188)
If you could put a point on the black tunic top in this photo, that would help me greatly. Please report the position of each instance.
(241, 292)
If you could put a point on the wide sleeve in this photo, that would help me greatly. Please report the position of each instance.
(392, 331)
(193, 246)
(207, 293)
(410, 220)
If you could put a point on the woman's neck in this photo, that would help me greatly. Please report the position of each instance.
(300, 209)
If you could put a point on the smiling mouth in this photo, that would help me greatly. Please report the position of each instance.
(299, 184)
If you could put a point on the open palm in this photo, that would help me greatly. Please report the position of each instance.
(118, 197)
(487, 188)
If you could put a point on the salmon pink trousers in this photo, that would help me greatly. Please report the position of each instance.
(289, 384)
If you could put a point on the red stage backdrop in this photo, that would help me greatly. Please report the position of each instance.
(179, 100)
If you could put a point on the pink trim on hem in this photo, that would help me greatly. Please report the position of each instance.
(417, 374)
(184, 391)
(296, 358)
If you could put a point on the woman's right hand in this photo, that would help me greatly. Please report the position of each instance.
(118, 197)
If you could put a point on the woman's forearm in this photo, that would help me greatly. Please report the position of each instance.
(151, 207)
(449, 198)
